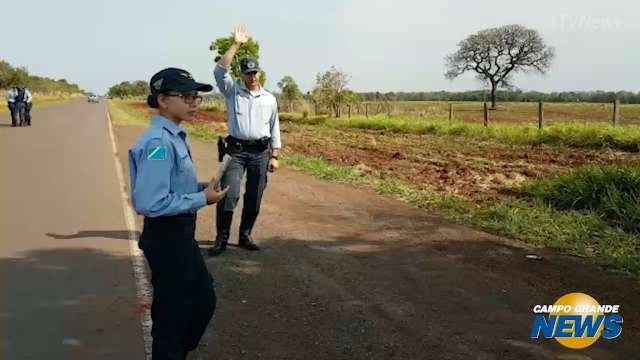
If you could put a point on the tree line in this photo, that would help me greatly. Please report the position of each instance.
(19, 76)
(127, 89)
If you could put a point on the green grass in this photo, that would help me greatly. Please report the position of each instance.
(612, 192)
(582, 233)
(202, 132)
(46, 100)
(123, 114)
(323, 169)
(595, 136)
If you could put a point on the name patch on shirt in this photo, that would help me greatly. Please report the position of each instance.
(157, 153)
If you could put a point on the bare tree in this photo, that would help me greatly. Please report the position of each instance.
(496, 54)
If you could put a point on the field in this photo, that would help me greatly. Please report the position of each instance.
(508, 112)
(474, 175)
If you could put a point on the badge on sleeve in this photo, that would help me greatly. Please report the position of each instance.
(157, 153)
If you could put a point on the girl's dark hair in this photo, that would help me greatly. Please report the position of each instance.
(152, 101)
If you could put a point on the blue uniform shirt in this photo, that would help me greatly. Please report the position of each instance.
(250, 116)
(163, 176)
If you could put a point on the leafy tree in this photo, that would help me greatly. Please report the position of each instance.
(6, 74)
(10, 76)
(128, 89)
(140, 88)
(290, 90)
(251, 48)
(331, 89)
(20, 77)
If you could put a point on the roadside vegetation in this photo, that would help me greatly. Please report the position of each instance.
(587, 211)
(595, 136)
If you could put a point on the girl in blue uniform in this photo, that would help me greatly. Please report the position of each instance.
(165, 189)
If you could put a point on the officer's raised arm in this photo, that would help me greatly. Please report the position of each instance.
(154, 198)
(221, 73)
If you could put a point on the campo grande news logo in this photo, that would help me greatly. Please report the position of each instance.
(577, 321)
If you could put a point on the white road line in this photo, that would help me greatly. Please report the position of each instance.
(143, 288)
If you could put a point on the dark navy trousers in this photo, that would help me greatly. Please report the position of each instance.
(255, 165)
(184, 298)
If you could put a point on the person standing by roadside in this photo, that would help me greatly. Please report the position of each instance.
(19, 106)
(11, 103)
(28, 106)
(253, 143)
(165, 189)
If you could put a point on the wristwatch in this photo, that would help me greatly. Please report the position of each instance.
(275, 157)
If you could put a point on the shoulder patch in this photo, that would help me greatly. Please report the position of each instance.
(157, 153)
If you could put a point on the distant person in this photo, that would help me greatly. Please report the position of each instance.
(20, 106)
(28, 106)
(165, 189)
(253, 144)
(11, 102)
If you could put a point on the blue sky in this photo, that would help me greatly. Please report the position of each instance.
(383, 45)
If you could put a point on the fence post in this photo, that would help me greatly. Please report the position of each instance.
(349, 109)
(450, 112)
(616, 112)
(540, 115)
(486, 115)
(315, 104)
(366, 110)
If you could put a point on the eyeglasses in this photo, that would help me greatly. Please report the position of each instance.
(189, 99)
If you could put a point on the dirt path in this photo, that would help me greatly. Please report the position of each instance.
(348, 274)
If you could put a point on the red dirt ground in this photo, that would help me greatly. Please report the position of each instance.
(449, 164)
(455, 165)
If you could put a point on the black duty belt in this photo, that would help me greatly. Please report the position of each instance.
(239, 145)
(180, 218)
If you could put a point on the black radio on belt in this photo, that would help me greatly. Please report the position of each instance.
(222, 148)
(253, 146)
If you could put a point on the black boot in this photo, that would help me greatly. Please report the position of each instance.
(246, 241)
(223, 229)
(246, 225)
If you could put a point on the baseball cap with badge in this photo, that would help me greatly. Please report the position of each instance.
(173, 79)
(249, 65)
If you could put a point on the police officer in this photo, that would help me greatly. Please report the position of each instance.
(253, 143)
(164, 188)
(11, 103)
(19, 106)
(28, 99)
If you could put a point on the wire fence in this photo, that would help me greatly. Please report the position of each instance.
(538, 114)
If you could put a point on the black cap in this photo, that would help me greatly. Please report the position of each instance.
(248, 65)
(173, 79)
